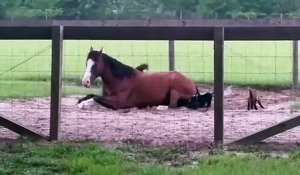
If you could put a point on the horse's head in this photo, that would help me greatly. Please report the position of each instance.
(94, 67)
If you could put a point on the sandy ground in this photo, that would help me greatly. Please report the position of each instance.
(156, 126)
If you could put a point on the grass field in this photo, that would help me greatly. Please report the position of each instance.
(264, 63)
(92, 159)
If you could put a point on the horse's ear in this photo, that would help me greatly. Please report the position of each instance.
(91, 49)
(101, 50)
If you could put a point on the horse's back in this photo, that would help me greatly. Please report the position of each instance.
(171, 80)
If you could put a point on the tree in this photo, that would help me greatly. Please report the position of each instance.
(218, 8)
(141, 9)
(40, 9)
(78, 9)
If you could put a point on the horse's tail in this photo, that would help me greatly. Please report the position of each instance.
(142, 67)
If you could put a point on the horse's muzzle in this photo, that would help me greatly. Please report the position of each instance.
(86, 84)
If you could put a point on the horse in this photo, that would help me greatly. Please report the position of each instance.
(132, 88)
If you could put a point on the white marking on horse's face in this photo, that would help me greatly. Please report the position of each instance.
(86, 80)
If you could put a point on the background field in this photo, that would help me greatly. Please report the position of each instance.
(246, 63)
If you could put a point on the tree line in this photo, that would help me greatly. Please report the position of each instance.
(144, 9)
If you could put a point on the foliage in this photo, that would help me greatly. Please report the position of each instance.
(28, 9)
(135, 9)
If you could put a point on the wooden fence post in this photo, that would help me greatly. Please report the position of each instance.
(295, 67)
(218, 85)
(56, 81)
(171, 55)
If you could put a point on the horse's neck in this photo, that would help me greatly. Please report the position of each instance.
(109, 80)
(112, 83)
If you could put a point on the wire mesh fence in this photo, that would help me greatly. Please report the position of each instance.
(24, 78)
(267, 68)
(25, 87)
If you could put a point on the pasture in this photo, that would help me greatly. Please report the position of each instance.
(25, 90)
(253, 63)
(246, 63)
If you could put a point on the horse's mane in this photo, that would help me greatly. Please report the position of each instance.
(118, 69)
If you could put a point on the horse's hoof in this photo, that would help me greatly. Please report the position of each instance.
(80, 105)
(162, 107)
(124, 110)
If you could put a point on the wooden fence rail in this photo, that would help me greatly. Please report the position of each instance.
(171, 30)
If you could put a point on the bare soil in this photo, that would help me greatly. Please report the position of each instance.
(157, 126)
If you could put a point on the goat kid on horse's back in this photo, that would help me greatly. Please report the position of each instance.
(130, 87)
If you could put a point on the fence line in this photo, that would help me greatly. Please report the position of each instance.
(219, 31)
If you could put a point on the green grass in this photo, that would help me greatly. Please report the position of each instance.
(29, 89)
(91, 158)
(295, 106)
(246, 63)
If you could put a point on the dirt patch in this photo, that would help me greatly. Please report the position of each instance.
(156, 126)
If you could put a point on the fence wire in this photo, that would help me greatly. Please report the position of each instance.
(264, 66)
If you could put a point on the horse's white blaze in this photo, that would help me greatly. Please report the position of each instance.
(87, 75)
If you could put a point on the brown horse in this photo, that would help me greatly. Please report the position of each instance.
(132, 88)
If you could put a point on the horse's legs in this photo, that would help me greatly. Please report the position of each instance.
(105, 102)
(84, 101)
(89, 96)
(174, 97)
(114, 102)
